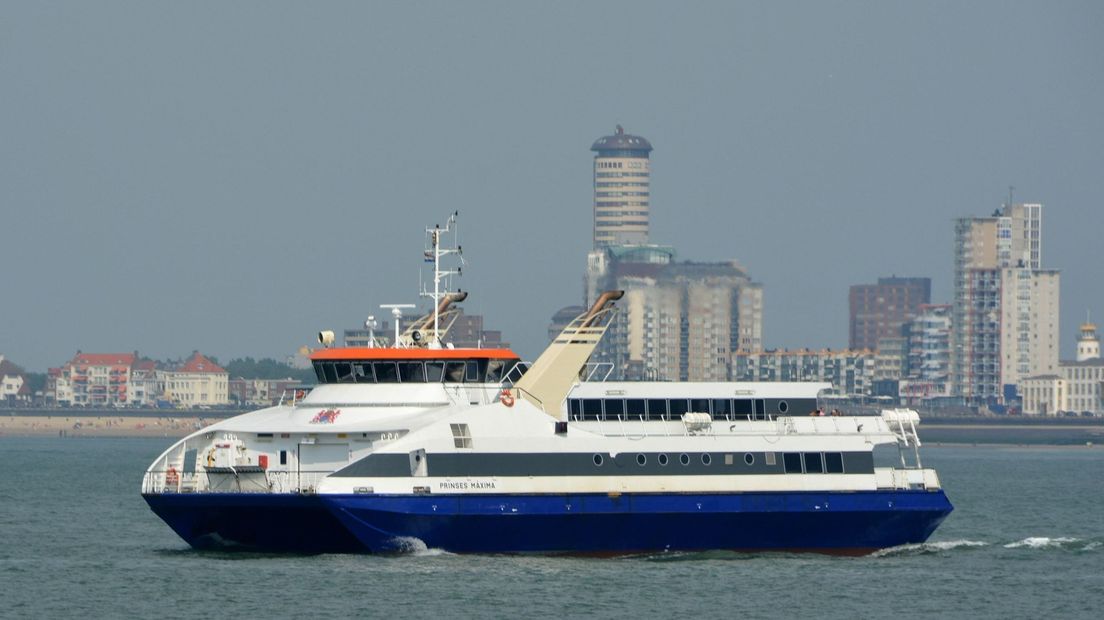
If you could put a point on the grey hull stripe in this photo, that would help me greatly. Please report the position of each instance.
(452, 465)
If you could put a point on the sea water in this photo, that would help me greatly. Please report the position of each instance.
(1026, 540)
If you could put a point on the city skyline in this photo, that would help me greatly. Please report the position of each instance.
(175, 182)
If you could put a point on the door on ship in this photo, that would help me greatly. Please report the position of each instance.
(317, 460)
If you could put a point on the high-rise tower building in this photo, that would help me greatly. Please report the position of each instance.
(1005, 305)
(622, 174)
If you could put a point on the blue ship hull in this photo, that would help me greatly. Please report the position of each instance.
(254, 522)
(851, 522)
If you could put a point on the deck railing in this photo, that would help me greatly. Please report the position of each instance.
(171, 480)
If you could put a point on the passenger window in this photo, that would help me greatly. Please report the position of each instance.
(615, 408)
(760, 409)
(592, 409)
(434, 371)
(792, 462)
(813, 464)
(741, 408)
(678, 407)
(454, 372)
(575, 408)
(362, 373)
(411, 372)
(833, 462)
(344, 372)
(634, 407)
(699, 405)
(657, 409)
(386, 372)
(722, 407)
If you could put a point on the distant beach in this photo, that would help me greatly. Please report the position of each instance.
(73, 424)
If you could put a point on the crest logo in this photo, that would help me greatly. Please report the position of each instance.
(326, 416)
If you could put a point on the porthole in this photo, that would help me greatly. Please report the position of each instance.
(706, 459)
(749, 458)
(641, 460)
(783, 406)
(684, 459)
(663, 459)
(598, 460)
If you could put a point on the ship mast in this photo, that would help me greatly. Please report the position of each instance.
(434, 255)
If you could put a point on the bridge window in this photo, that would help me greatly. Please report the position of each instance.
(362, 373)
(495, 370)
(435, 371)
(454, 372)
(472, 375)
(386, 372)
(411, 372)
(331, 375)
(344, 371)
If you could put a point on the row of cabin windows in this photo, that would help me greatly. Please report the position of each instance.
(669, 408)
(451, 371)
(813, 462)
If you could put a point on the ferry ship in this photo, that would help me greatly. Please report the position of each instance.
(473, 450)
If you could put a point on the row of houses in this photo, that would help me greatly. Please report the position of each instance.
(129, 380)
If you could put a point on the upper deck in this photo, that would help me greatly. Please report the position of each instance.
(412, 365)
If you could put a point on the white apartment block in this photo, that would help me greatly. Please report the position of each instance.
(1005, 306)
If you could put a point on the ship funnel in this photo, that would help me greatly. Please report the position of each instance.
(555, 372)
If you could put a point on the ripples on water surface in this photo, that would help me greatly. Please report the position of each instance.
(1026, 540)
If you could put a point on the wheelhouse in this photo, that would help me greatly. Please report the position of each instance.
(382, 365)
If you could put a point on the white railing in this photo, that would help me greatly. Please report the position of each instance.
(171, 480)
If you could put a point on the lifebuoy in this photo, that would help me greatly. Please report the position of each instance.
(506, 397)
(171, 477)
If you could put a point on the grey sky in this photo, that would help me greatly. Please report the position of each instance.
(232, 177)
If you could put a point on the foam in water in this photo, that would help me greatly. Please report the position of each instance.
(928, 547)
(409, 545)
(1041, 542)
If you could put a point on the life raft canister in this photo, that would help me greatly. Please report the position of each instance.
(506, 398)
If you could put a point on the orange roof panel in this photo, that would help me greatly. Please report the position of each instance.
(370, 353)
